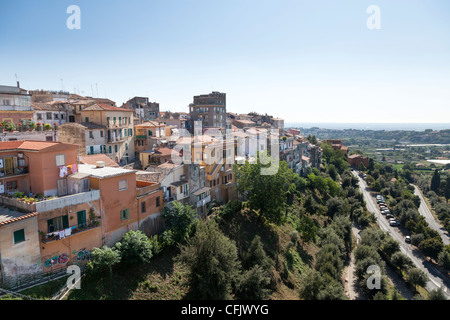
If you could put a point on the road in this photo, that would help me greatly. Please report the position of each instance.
(436, 278)
(424, 210)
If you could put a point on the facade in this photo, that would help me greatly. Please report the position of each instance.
(119, 130)
(356, 159)
(144, 110)
(89, 136)
(149, 135)
(50, 113)
(210, 109)
(15, 104)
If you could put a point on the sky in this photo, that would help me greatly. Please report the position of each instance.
(303, 61)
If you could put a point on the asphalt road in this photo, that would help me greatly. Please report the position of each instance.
(436, 278)
(425, 211)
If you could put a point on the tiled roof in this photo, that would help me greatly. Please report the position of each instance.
(14, 219)
(101, 106)
(47, 106)
(36, 145)
(93, 158)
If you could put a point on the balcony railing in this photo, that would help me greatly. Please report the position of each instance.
(54, 236)
(16, 171)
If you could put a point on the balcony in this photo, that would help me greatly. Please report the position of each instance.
(51, 203)
(204, 201)
(54, 236)
(116, 140)
(145, 187)
(15, 172)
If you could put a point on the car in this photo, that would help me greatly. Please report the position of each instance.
(380, 201)
(383, 212)
(393, 222)
(382, 205)
(389, 216)
(407, 239)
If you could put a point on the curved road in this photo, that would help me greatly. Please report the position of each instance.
(436, 278)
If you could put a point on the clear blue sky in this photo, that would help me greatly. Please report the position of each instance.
(304, 61)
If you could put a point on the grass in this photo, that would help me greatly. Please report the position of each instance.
(44, 291)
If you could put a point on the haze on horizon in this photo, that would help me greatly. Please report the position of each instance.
(298, 60)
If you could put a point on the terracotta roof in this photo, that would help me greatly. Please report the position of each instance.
(47, 106)
(101, 106)
(163, 152)
(36, 145)
(93, 158)
(25, 216)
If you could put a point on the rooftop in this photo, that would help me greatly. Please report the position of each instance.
(29, 145)
(7, 215)
(93, 158)
(105, 172)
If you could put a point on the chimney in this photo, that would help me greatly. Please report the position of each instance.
(18, 84)
(100, 164)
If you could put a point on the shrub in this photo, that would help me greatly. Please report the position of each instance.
(135, 247)
(103, 260)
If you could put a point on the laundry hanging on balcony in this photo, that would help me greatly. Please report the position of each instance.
(62, 171)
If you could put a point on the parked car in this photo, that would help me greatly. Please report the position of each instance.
(393, 222)
(408, 239)
(389, 216)
(382, 205)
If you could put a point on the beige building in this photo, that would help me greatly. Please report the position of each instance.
(119, 130)
(91, 137)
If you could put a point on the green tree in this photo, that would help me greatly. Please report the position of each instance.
(253, 284)
(417, 277)
(435, 181)
(447, 188)
(103, 260)
(401, 261)
(180, 219)
(135, 247)
(265, 193)
(256, 255)
(212, 260)
(431, 247)
(436, 294)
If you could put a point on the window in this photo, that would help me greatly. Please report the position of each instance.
(55, 116)
(81, 217)
(39, 116)
(91, 149)
(150, 133)
(143, 209)
(58, 223)
(115, 148)
(11, 185)
(60, 160)
(114, 120)
(110, 149)
(101, 133)
(19, 236)
(120, 121)
(85, 185)
(126, 146)
(49, 116)
(124, 214)
(91, 134)
(107, 121)
(157, 202)
(130, 132)
(86, 119)
(123, 185)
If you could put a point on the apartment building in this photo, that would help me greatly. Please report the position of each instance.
(52, 113)
(15, 104)
(89, 136)
(149, 135)
(119, 130)
(210, 109)
(144, 110)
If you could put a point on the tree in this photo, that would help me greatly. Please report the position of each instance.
(135, 247)
(256, 255)
(435, 181)
(417, 277)
(436, 294)
(265, 193)
(103, 260)
(447, 188)
(253, 284)
(444, 259)
(213, 264)
(431, 247)
(390, 246)
(180, 219)
(308, 229)
(401, 261)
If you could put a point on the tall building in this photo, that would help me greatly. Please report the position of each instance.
(144, 110)
(210, 109)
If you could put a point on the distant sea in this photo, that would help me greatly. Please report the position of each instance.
(369, 126)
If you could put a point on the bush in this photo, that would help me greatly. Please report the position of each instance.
(103, 260)
(135, 248)
(180, 219)
(401, 261)
(417, 238)
(253, 284)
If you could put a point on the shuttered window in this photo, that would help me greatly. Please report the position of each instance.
(19, 236)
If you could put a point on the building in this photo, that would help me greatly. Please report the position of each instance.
(127, 204)
(89, 136)
(44, 96)
(58, 216)
(210, 109)
(50, 113)
(356, 159)
(43, 135)
(149, 135)
(144, 110)
(242, 124)
(337, 145)
(92, 159)
(15, 104)
(119, 129)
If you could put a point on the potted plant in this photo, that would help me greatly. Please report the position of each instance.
(20, 127)
(38, 126)
(55, 126)
(1, 128)
(47, 126)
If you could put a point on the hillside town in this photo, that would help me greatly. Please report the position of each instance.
(79, 172)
